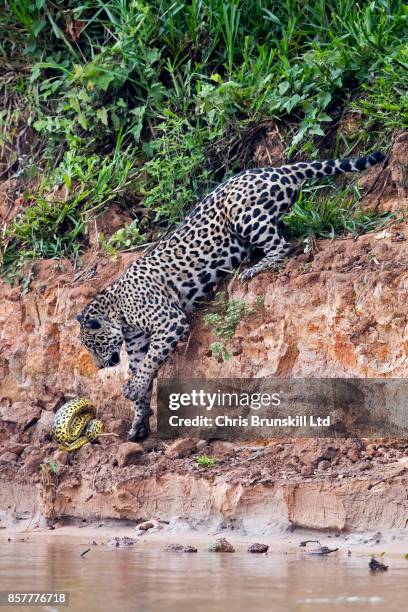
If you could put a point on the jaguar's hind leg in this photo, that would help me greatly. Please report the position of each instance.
(276, 251)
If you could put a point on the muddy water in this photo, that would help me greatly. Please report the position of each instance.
(151, 580)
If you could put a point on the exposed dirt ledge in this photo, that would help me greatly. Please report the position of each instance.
(311, 505)
(354, 505)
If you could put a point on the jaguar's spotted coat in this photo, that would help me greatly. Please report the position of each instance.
(147, 306)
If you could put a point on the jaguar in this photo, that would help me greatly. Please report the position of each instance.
(148, 306)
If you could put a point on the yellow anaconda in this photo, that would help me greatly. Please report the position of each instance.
(74, 424)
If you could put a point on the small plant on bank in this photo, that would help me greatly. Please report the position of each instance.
(223, 323)
(219, 351)
(125, 238)
(259, 301)
(227, 315)
(52, 466)
(205, 461)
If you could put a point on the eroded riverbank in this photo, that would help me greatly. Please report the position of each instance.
(338, 313)
(254, 489)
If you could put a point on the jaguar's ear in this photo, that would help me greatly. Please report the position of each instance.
(93, 324)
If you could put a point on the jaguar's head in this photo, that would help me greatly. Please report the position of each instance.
(102, 338)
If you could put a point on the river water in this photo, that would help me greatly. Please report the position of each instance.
(151, 580)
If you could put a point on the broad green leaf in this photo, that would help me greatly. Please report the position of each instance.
(82, 120)
(102, 115)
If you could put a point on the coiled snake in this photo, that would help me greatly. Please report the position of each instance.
(74, 424)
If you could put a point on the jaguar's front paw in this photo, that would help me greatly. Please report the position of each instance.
(139, 430)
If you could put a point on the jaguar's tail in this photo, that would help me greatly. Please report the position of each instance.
(306, 170)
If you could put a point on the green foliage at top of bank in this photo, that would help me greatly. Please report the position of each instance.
(147, 104)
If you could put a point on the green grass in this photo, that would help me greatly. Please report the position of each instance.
(322, 211)
(53, 224)
(144, 103)
(384, 101)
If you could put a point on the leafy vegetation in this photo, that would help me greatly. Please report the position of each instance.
(205, 461)
(219, 352)
(144, 103)
(123, 239)
(227, 315)
(223, 321)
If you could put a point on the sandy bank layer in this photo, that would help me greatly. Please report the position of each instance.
(234, 496)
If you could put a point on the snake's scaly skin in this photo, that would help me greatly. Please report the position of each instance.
(74, 424)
